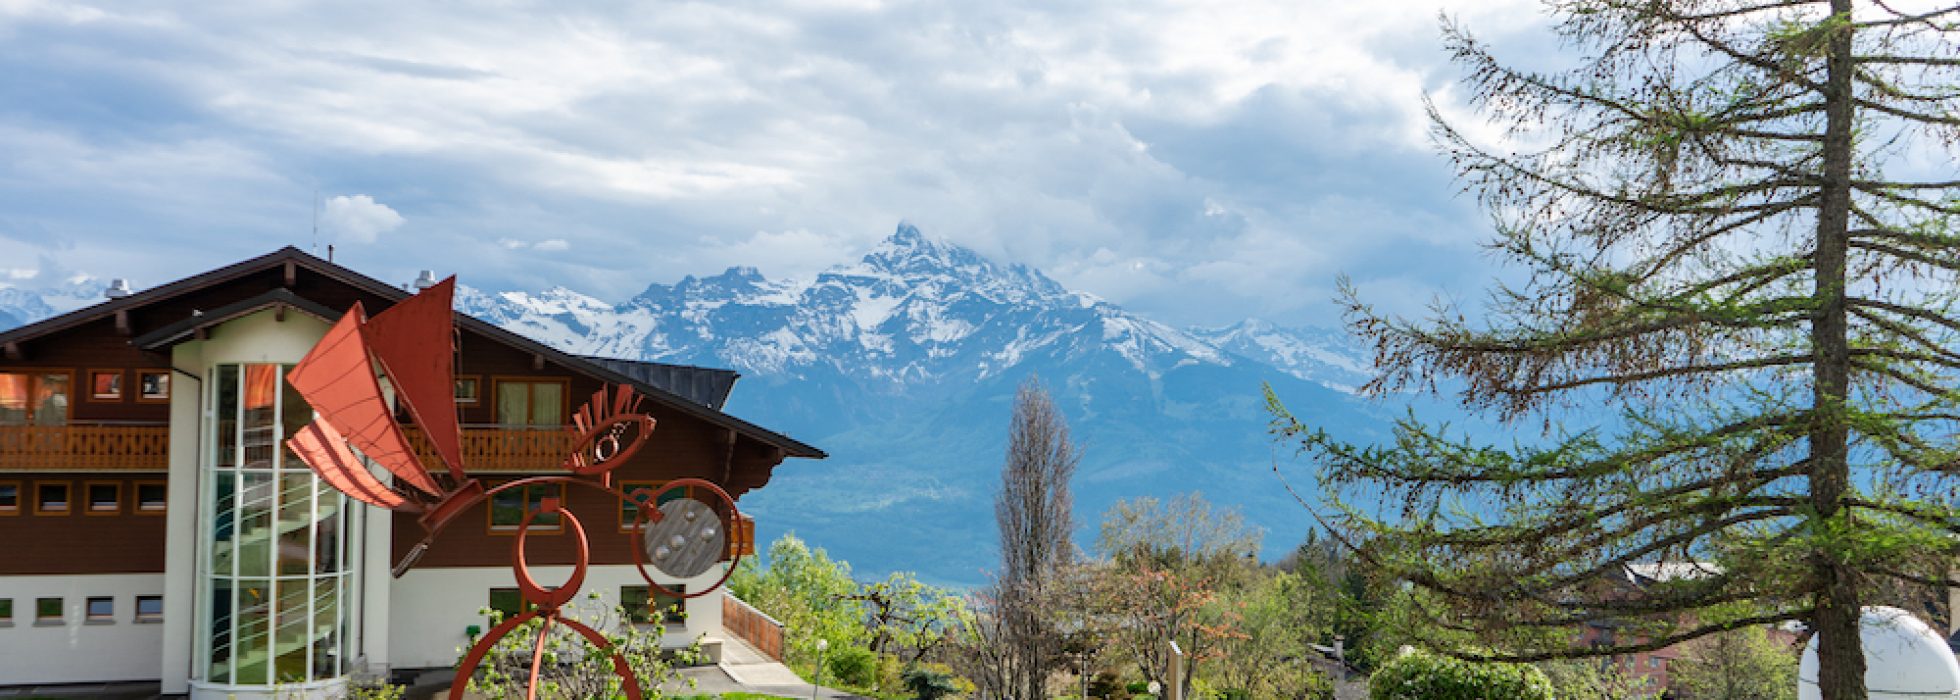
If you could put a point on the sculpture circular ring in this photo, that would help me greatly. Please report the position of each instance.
(527, 586)
(648, 515)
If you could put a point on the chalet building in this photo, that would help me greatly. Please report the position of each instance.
(153, 527)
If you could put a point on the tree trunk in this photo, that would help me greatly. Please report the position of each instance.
(1840, 651)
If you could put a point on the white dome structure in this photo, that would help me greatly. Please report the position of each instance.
(1904, 660)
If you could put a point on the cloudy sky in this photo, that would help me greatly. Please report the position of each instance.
(1195, 161)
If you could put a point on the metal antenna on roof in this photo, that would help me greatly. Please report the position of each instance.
(316, 221)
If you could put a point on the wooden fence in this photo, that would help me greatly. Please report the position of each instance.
(751, 625)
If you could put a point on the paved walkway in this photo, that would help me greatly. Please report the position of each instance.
(748, 670)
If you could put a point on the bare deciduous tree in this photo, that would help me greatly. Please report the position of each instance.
(1035, 512)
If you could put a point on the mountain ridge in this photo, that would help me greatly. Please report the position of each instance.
(903, 365)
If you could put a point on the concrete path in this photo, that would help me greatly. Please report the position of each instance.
(750, 671)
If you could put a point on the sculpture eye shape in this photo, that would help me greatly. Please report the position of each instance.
(609, 444)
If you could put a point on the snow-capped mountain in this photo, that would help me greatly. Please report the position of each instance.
(912, 310)
(1321, 355)
(903, 366)
(21, 303)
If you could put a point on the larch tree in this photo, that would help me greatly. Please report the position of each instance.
(1035, 512)
(1737, 225)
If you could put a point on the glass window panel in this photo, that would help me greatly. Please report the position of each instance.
(9, 496)
(629, 507)
(101, 608)
(149, 608)
(507, 601)
(290, 641)
(633, 602)
(226, 446)
(255, 525)
(325, 646)
(507, 508)
(224, 521)
(221, 631)
(294, 414)
(51, 400)
(513, 403)
(51, 497)
(6, 609)
(104, 498)
(326, 533)
(547, 403)
(152, 497)
(673, 609)
(253, 648)
(16, 391)
(47, 609)
(261, 393)
(295, 555)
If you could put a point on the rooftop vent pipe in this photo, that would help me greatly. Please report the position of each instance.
(425, 280)
(118, 288)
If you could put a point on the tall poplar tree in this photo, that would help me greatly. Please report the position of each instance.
(1737, 220)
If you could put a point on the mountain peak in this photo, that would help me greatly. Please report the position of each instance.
(907, 235)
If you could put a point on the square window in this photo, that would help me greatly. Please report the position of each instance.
(152, 497)
(106, 385)
(47, 610)
(152, 385)
(507, 601)
(51, 498)
(104, 497)
(672, 608)
(149, 608)
(634, 603)
(469, 390)
(9, 498)
(507, 507)
(6, 611)
(101, 609)
(629, 509)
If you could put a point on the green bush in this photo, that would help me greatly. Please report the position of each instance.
(853, 666)
(1424, 676)
(929, 683)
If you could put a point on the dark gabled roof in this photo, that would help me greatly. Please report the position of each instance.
(707, 386)
(181, 330)
(790, 446)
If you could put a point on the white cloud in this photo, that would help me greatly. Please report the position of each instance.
(357, 218)
(1197, 164)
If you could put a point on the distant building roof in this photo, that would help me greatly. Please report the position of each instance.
(707, 386)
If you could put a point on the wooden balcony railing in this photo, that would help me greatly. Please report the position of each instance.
(85, 448)
(492, 448)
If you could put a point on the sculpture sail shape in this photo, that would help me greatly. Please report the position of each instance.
(322, 448)
(413, 341)
(338, 380)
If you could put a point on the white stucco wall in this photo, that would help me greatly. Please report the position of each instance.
(77, 650)
(434, 607)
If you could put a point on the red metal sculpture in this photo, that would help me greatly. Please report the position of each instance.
(410, 348)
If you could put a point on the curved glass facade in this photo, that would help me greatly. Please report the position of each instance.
(276, 568)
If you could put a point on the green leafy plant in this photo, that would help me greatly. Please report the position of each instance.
(1423, 676)
(572, 667)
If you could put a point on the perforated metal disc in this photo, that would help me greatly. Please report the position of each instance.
(687, 541)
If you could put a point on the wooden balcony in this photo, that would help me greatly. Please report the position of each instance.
(85, 448)
(498, 448)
